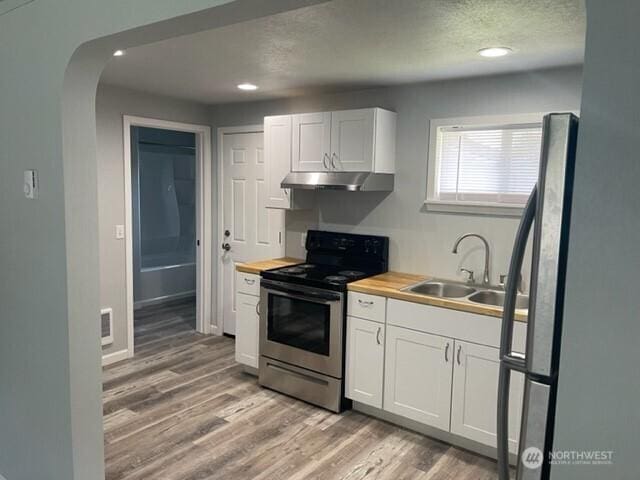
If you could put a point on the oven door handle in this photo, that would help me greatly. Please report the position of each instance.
(301, 293)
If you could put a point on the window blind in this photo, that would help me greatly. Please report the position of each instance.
(492, 164)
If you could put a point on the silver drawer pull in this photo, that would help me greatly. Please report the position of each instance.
(365, 303)
(378, 335)
(446, 353)
(249, 281)
(458, 355)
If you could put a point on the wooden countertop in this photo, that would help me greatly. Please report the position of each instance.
(390, 285)
(257, 267)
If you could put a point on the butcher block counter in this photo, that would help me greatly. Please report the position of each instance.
(259, 266)
(391, 285)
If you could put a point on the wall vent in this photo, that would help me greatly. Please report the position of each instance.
(106, 325)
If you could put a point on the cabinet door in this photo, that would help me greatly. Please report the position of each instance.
(365, 361)
(247, 329)
(311, 142)
(277, 157)
(475, 395)
(418, 371)
(352, 138)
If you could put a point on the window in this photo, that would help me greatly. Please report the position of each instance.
(483, 164)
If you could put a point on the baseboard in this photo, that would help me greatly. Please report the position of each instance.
(432, 432)
(166, 298)
(114, 357)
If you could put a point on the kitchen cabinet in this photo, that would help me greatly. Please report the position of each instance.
(418, 374)
(311, 142)
(247, 320)
(365, 361)
(475, 395)
(438, 366)
(277, 157)
(362, 140)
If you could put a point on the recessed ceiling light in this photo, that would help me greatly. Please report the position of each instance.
(493, 52)
(118, 53)
(247, 86)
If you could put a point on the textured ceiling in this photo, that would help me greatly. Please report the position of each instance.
(356, 43)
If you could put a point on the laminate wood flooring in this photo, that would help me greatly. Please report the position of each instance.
(183, 409)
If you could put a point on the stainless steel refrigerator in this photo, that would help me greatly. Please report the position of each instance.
(548, 211)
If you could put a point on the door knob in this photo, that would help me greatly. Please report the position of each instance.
(226, 247)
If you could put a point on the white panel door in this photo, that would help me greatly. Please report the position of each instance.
(277, 151)
(365, 361)
(247, 329)
(475, 395)
(250, 230)
(311, 142)
(352, 138)
(418, 371)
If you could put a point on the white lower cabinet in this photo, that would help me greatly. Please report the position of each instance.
(438, 367)
(365, 361)
(475, 395)
(418, 372)
(247, 329)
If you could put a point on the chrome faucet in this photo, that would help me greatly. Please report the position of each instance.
(485, 276)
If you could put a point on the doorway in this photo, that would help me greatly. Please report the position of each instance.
(249, 230)
(167, 203)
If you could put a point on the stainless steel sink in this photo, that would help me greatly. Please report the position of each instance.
(441, 289)
(493, 297)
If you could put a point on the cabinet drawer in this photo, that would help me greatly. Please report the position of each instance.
(370, 307)
(248, 283)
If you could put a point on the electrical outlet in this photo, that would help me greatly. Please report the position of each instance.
(119, 232)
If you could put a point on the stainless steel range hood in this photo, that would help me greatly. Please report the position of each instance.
(350, 181)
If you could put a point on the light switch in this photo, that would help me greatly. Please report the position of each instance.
(31, 184)
(119, 232)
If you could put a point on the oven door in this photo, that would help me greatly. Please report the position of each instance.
(302, 326)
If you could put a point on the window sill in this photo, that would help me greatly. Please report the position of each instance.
(474, 208)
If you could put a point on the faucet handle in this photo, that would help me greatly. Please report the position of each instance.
(504, 278)
(470, 275)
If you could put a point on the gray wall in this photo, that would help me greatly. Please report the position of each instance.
(111, 104)
(421, 241)
(50, 399)
(599, 377)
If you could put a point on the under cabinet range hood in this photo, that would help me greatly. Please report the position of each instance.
(350, 181)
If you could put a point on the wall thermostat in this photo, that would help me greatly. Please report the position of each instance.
(31, 184)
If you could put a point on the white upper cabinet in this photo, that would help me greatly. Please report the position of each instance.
(361, 140)
(311, 142)
(277, 157)
(352, 140)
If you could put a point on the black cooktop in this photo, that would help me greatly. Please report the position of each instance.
(335, 259)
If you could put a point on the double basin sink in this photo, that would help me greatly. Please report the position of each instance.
(471, 293)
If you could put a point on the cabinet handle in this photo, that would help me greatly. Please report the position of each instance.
(333, 164)
(325, 158)
(249, 281)
(378, 335)
(446, 353)
(365, 303)
(258, 308)
(458, 354)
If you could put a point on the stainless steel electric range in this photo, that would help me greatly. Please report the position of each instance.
(303, 316)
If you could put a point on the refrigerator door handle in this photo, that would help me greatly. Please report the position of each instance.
(509, 360)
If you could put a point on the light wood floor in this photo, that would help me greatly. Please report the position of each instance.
(182, 409)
